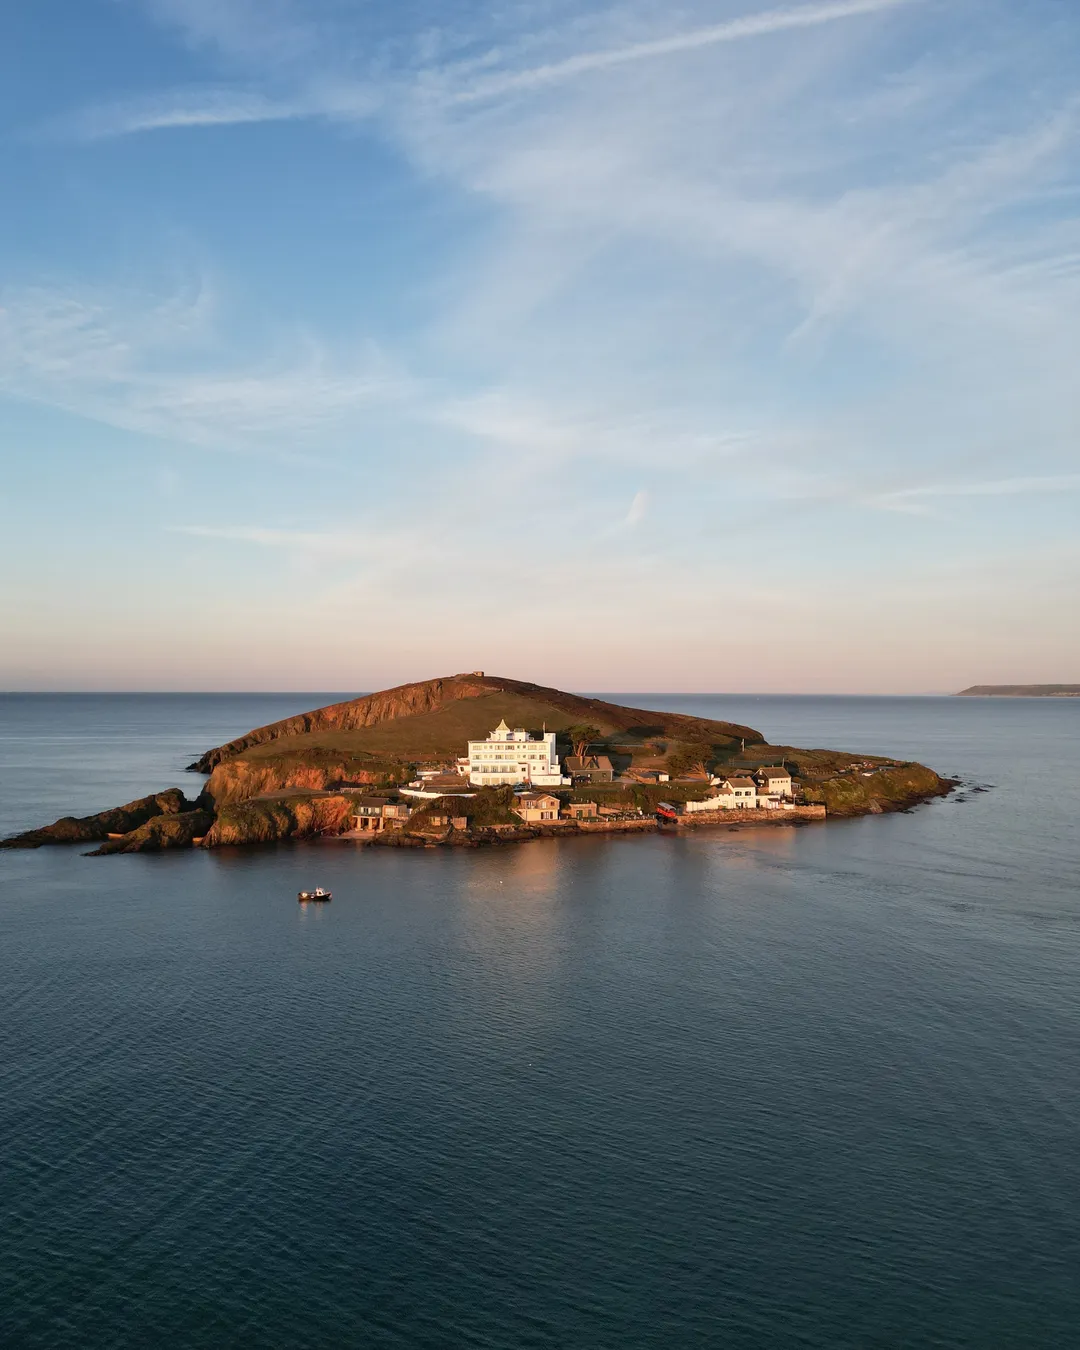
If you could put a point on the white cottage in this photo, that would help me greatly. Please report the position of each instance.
(729, 794)
(774, 782)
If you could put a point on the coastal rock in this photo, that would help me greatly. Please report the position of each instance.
(160, 833)
(266, 821)
(894, 788)
(118, 820)
(236, 780)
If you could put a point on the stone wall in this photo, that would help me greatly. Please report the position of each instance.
(753, 817)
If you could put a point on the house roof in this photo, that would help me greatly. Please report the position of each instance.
(775, 771)
(585, 763)
(534, 798)
(741, 782)
(372, 801)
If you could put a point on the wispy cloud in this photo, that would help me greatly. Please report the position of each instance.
(331, 544)
(915, 498)
(638, 508)
(735, 30)
(277, 34)
(200, 108)
(143, 363)
(223, 107)
(342, 96)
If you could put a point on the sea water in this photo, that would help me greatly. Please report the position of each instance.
(813, 1087)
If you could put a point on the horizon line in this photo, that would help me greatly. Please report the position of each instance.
(583, 693)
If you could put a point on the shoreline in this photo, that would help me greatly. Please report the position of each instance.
(614, 770)
(139, 827)
(494, 836)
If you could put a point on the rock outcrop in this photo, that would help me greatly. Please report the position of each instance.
(265, 822)
(885, 789)
(160, 833)
(118, 820)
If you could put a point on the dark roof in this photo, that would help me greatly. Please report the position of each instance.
(588, 763)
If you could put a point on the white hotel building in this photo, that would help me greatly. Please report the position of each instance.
(513, 757)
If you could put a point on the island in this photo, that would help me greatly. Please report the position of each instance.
(1021, 691)
(475, 759)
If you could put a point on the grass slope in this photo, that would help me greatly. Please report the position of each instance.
(432, 719)
(443, 734)
(378, 738)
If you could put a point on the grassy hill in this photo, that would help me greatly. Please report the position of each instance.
(430, 735)
(431, 717)
(378, 737)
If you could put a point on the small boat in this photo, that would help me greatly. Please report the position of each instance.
(317, 894)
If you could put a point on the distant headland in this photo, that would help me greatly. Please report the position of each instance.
(477, 759)
(1021, 691)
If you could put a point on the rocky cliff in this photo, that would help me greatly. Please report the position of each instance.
(263, 822)
(236, 780)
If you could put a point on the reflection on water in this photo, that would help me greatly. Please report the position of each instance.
(737, 1088)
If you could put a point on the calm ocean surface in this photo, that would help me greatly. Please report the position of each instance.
(812, 1087)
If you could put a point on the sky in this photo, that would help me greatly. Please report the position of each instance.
(715, 345)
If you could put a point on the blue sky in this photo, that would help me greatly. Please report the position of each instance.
(715, 345)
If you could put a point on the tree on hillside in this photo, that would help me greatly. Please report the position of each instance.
(581, 737)
(691, 757)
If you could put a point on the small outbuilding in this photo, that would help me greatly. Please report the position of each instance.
(580, 811)
(652, 776)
